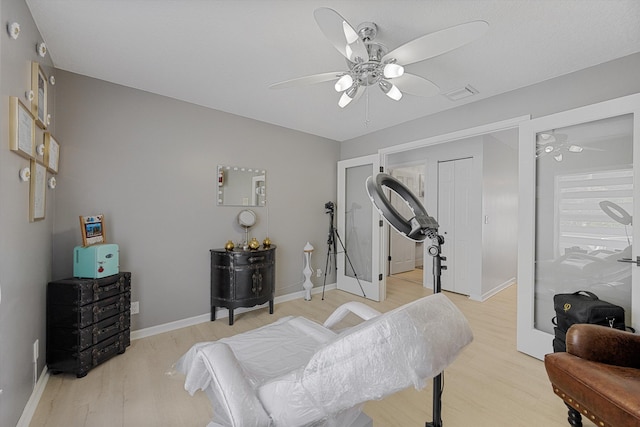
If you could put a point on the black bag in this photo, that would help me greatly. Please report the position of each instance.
(583, 307)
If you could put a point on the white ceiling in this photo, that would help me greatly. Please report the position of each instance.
(224, 54)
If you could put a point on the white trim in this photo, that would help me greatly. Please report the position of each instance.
(454, 136)
(501, 287)
(32, 403)
(220, 314)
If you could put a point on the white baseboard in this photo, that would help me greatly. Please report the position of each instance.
(220, 314)
(32, 404)
(493, 291)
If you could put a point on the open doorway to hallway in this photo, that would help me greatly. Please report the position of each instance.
(475, 204)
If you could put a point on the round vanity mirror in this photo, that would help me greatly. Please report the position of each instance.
(247, 218)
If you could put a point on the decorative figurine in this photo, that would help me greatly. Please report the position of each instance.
(266, 242)
(229, 245)
(254, 244)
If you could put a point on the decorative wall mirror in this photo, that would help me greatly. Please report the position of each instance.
(238, 186)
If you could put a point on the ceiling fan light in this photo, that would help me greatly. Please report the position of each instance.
(391, 71)
(546, 138)
(394, 93)
(349, 52)
(548, 149)
(344, 100)
(558, 157)
(349, 33)
(344, 83)
(390, 90)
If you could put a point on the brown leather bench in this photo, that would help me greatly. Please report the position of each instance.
(599, 376)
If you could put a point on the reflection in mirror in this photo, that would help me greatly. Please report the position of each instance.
(584, 193)
(239, 186)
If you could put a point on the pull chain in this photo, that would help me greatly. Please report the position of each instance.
(366, 118)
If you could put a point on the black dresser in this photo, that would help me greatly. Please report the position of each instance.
(88, 322)
(242, 278)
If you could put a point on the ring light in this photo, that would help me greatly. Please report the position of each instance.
(417, 228)
(615, 212)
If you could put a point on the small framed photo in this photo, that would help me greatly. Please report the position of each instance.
(92, 228)
(40, 93)
(38, 185)
(51, 152)
(22, 129)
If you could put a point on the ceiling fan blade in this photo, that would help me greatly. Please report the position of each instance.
(437, 43)
(307, 80)
(415, 85)
(341, 34)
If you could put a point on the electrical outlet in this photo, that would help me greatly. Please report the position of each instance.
(135, 307)
(318, 273)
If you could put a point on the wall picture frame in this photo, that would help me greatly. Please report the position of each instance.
(37, 191)
(40, 89)
(51, 153)
(92, 228)
(22, 129)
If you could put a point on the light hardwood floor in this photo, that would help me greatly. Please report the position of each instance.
(490, 384)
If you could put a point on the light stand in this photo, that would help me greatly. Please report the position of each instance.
(333, 236)
(418, 228)
(435, 250)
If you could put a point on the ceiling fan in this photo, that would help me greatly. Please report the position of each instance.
(370, 63)
(554, 144)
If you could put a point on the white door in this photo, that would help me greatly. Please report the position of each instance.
(402, 251)
(455, 222)
(358, 229)
(578, 185)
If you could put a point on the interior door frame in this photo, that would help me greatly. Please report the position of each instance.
(513, 123)
(530, 340)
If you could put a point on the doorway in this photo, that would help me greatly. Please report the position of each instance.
(405, 255)
(492, 195)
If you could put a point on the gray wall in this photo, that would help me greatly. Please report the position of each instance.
(605, 81)
(25, 248)
(148, 163)
(500, 207)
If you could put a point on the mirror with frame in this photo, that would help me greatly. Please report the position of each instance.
(239, 186)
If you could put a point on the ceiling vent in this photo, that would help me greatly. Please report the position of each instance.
(458, 94)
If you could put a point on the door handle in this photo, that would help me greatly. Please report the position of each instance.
(637, 261)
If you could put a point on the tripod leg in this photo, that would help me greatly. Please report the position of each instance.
(326, 269)
(348, 260)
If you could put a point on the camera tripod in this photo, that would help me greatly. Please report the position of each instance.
(334, 236)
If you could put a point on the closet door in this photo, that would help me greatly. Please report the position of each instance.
(578, 181)
(454, 217)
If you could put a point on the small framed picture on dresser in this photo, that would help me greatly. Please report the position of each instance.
(92, 228)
